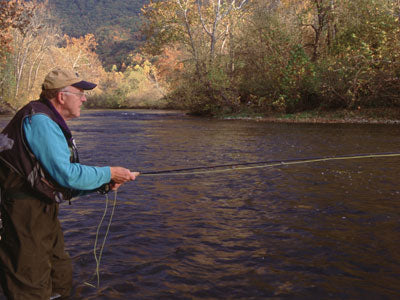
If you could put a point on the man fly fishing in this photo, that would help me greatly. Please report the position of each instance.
(39, 168)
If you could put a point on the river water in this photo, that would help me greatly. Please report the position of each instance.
(323, 230)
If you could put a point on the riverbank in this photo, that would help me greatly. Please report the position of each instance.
(360, 116)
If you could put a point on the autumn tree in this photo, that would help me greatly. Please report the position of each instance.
(198, 29)
(16, 21)
(30, 48)
(136, 86)
(79, 54)
(39, 47)
(13, 14)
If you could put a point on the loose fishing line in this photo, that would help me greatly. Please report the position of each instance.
(98, 258)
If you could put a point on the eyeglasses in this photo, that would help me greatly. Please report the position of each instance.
(80, 95)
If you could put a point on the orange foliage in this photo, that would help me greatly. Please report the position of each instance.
(169, 65)
(87, 43)
(13, 14)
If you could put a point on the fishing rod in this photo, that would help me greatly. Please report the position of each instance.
(262, 164)
(215, 169)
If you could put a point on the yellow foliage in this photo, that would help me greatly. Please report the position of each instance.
(79, 55)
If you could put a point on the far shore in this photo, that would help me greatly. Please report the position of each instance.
(361, 116)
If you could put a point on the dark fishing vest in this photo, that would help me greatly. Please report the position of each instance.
(25, 173)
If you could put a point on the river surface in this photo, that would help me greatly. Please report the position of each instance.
(322, 230)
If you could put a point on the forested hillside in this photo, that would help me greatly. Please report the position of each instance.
(208, 57)
(32, 42)
(115, 24)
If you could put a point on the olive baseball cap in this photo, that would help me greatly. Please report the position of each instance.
(59, 78)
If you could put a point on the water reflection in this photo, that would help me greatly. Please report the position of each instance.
(310, 231)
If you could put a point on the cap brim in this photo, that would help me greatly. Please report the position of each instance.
(84, 85)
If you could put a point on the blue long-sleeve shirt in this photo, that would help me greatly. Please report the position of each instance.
(47, 142)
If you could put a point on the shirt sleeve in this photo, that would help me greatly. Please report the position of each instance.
(47, 142)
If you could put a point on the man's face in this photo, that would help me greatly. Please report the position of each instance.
(73, 100)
